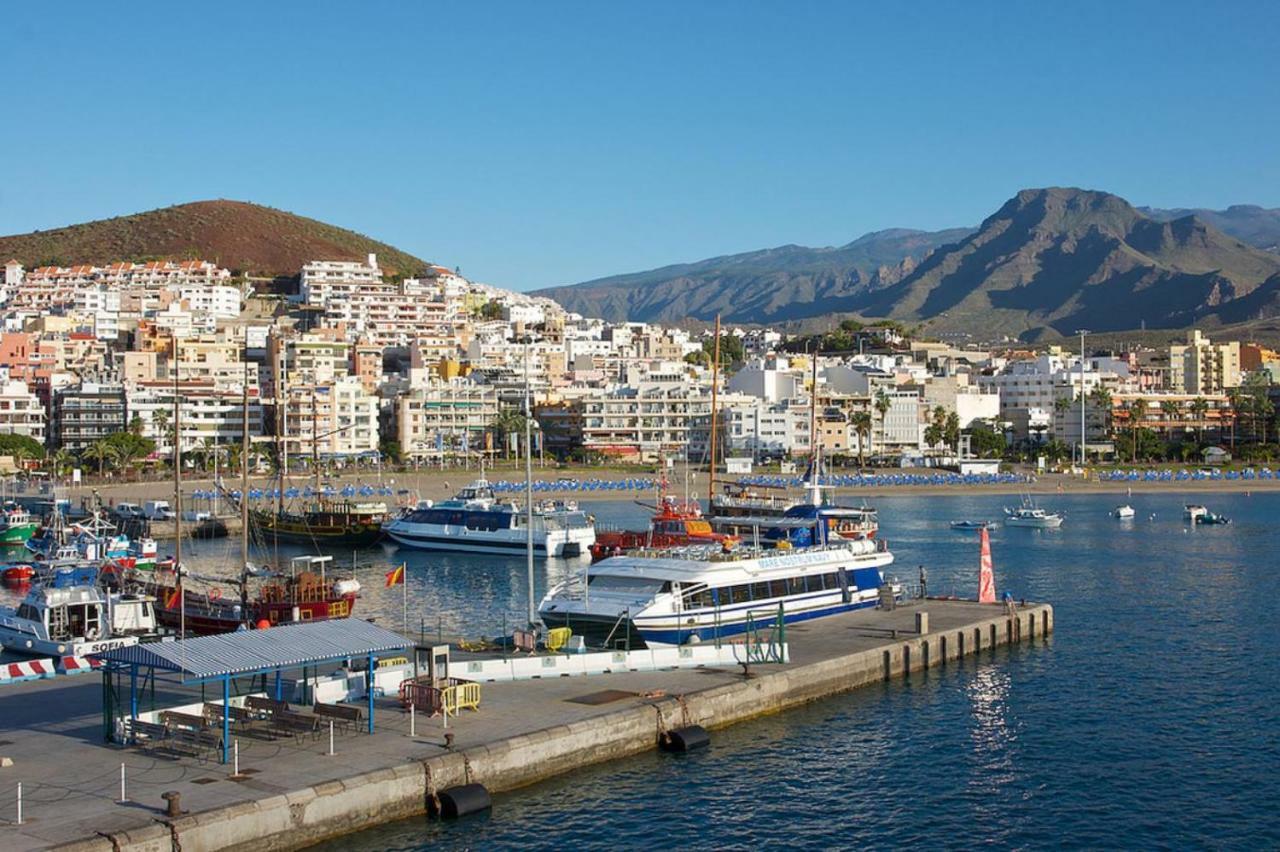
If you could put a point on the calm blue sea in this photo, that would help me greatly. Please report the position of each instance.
(1151, 719)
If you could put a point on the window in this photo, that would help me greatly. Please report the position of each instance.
(741, 594)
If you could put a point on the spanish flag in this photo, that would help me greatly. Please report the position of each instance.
(172, 601)
(395, 577)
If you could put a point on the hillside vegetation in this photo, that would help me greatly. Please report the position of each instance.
(245, 238)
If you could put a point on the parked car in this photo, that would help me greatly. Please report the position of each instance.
(128, 511)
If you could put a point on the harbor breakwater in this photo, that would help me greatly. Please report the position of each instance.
(309, 815)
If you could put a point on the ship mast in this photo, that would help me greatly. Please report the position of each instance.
(715, 382)
(815, 441)
(244, 494)
(177, 496)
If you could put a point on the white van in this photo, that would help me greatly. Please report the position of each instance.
(158, 510)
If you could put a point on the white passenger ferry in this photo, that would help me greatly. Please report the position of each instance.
(680, 596)
(474, 521)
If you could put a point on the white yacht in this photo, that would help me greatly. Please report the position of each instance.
(1124, 513)
(474, 521)
(1031, 515)
(70, 616)
(700, 594)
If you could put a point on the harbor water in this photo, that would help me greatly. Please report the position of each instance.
(1149, 718)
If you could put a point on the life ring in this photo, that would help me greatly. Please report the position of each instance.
(215, 593)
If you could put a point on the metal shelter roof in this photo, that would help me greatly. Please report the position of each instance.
(250, 651)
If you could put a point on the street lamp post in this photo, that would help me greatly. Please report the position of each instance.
(1082, 332)
(528, 483)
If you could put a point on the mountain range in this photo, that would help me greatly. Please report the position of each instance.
(245, 238)
(1047, 262)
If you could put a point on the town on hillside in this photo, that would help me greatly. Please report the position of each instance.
(433, 370)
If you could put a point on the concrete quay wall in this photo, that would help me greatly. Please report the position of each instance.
(332, 809)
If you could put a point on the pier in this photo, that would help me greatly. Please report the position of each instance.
(292, 792)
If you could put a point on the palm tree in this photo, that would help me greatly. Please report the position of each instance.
(951, 431)
(934, 433)
(60, 461)
(101, 452)
(1137, 412)
(1169, 410)
(1199, 408)
(882, 405)
(861, 422)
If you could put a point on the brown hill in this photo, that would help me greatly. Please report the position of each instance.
(1053, 260)
(245, 238)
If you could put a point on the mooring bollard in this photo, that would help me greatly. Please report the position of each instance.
(173, 807)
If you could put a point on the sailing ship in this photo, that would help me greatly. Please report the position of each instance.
(304, 594)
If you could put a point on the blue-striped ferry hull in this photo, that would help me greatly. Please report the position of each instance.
(732, 624)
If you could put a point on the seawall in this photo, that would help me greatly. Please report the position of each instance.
(312, 814)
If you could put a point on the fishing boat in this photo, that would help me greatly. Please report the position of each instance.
(699, 594)
(17, 525)
(674, 524)
(68, 614)
(475, 521)
(1031, 515)
(1124, 512)
(972, 526)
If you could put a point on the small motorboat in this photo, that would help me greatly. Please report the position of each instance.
(1124, 512)
(973, 526)
(18, 574)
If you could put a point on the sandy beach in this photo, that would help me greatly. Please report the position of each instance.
(438, 484)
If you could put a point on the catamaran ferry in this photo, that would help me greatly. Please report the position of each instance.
(474, 521)
(684, 595)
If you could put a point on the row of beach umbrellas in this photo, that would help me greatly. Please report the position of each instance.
(1248, 474)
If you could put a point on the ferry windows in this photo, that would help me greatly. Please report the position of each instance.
(777, 588)
(741, 594)
(795, 585)
(759, 591)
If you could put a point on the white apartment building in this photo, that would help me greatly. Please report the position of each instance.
(21, 411)
(453, 416)
(756, 427)
(1041, 382)
(209, 415)
(325, 281)
(771, 378)
(222, 302)
(645, 423)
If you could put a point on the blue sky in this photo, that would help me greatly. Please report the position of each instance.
(536, 144)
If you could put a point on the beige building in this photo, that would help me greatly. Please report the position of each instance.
(1202, 367)
(437, 418)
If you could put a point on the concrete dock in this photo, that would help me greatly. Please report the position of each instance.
(293, 793)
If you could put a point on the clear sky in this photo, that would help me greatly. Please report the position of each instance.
(536, 143)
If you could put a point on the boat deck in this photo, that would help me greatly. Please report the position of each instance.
(52, 730)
